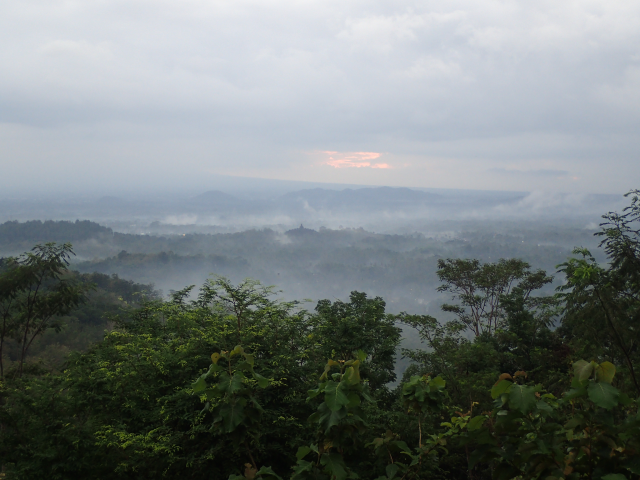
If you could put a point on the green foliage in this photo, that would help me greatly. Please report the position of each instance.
(586, 433)
(520, 337)
(338, 421)
(305, 395)
(480, 289)
(35, 291)
(343, 328)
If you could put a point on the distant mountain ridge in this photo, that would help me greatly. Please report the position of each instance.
(362, 198)
(215, 197)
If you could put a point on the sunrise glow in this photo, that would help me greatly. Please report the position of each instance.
(353, 160)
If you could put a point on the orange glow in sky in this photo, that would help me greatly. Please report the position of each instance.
(353, 160)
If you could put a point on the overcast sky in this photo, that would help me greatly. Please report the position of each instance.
(508, 95)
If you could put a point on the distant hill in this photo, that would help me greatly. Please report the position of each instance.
(363, 198)
(215, 197)
(301, 232)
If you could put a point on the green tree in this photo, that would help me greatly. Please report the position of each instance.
(35, 290)
(509, 326)
(479, 289)
(602, 303)
(340, 329)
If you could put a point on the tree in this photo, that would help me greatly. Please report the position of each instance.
(343, 328)
(34, 291)
(602, 303)
(480, 288)
(509, 326)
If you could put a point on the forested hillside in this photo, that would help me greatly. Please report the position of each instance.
(229, 382)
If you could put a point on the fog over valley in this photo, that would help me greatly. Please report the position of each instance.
(315, 243)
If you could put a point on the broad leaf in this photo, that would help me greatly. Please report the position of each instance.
(614, 476)
(232, 415)
(352, 374)
(522, 398)
(301, 468)
(476, 422)
(603, 394)
(334, 396)
(354, 400)
(438, 382)
(392, 470)
(335, 465)
(200, 384)
(236, 382)
(329, 418)
(583, 369)
(302, 452)
(499, 388)
(267, 473)
(262, 382)
(605, 372)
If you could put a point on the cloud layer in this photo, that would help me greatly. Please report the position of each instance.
(461, 93)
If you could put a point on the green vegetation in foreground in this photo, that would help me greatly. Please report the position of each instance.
(235, 385)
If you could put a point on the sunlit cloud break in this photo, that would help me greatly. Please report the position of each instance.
(354, 160)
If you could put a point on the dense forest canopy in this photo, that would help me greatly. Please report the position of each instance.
(512, 381)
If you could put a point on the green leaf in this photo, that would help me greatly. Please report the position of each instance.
(352, 375)
(403, 446)
(200, 384)
(438, 382)
(329, 418)
(236, 351)
(522, 398)
(544, 406)
(476, 422)
(212, 393)
(327, 368)
(583, 369)
(232, 415)
(605, 372)
(236, 382)
(335, 465)
(262, 382)
(313, 393)
(301, 468)
(575, 393)
(354, 400)
(334, 396)
(267, 474)
(499, 388)
(614, 476)
(302, 452)
(603, 394)
(392, 470)
(624, 400)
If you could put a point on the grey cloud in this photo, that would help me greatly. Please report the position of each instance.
(249, 77)
(538, 173)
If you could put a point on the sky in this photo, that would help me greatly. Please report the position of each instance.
(482, 94)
